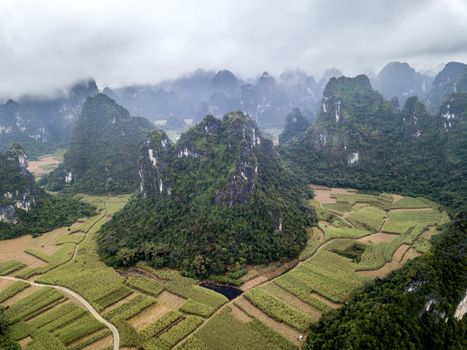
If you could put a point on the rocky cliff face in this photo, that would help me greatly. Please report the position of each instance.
(452, 79)
(18, 190)
(361, 140)
(43, 124)
(398, 79)
(103, 152)
(220, 195)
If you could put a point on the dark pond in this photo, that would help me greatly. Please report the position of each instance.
(224, 289)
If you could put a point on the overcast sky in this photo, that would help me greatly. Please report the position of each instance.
(45, 45)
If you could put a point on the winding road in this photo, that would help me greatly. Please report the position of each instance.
(84, 302)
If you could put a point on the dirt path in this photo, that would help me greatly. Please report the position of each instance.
(84, 302)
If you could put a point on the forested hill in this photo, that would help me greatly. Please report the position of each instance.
(24, 207)
(103, 153)
(361, 140)
(412, 308)
(221, 196)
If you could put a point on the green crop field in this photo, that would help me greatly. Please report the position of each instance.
(193, 317)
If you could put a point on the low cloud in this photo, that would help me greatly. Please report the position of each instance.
(44, 45)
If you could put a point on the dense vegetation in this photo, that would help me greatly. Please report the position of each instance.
(410, 309)
(360, 140)
(103, 152)
(219, 197)
(27, 209)
(6, 343)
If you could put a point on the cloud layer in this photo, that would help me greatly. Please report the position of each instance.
(44, 45)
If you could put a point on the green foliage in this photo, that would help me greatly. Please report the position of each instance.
(369, 217)
(400, 221)
(80, 327)
(145, 285)
(278, 310)
(295, 123)
(113, 296)
(161, 324)
(10, 266)
(6, 342)
(392, 313)
(219, 197)
(31, 304)
(12, 290)
(130, 308)
(407, 151)
(196, 308)
(175, 334)
(90, 340)
(224, 331)
(103, 153)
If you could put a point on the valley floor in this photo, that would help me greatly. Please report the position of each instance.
(359, 237)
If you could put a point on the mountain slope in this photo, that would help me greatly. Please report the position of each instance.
(361, 141)
(452, 79)
(24, 207)
(402, 81)
(43, 124)
(219, 197)
(103, 152)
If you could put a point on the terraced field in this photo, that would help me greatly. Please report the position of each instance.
(359, 237)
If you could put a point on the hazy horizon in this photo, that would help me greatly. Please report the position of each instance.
(45, 46)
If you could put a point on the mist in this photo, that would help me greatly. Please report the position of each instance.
(44, 46)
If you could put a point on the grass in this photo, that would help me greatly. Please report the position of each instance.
(30, 305)
(78, 328)
(225, 332)
(278, 310)
(378, 201)
(187, 287)
(130, 308)
(86, 274)
(175, 334)
(161, 324)
(410, 202)
(332, 231)
(113, 296)
(52, 316)
(312, 244)
(10, 266)
(301, 290)
(145, 285)
(401, 221)
(12, 290)
(196, 308)
(88, 340)
(370, 218)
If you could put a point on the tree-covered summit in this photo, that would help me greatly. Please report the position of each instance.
(103, 153)
(219, 197)
(24, 207)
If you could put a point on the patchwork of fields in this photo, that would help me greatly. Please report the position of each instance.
(359, 237)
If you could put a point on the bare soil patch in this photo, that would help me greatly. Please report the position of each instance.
(380, 237)
(281, 328)
(396, 197)
(5, 283)
(103, 343)
(173, 301)
(359, 205)
(292, 300)
(410, 254)
(325, 300)
(25, 341)
(239, 314)
(267, 273)
(432, 230)
(42, 166)
(148, 316)
(21, 295)
(120, 302)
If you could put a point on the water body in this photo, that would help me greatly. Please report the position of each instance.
(229, 291)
